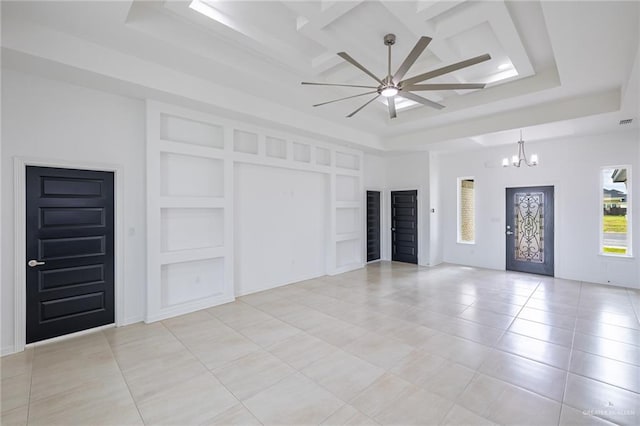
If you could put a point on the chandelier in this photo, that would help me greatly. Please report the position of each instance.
(517, 160)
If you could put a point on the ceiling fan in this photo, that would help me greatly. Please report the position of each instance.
(393, 85)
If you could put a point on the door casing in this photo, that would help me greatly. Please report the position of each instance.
(20, 260)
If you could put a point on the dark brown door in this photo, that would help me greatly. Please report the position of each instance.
(70, 251)
(404, 226)
(373, 225)
(530, 229)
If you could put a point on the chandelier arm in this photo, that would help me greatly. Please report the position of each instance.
(524, 155)
(516, 160)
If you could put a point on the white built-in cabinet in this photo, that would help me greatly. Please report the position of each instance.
(190, 201)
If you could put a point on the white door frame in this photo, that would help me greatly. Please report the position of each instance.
(20, 208)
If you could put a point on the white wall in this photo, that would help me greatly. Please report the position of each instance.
(282, 226)
(401, 172)
(46, 119)
(573, 167)
(435, 210)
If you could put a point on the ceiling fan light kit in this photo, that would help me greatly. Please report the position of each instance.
(394, 85)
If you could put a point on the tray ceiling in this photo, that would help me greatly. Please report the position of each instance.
(567, 58)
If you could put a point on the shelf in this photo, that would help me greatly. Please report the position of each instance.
(168, 202)
(190, 255)
(348, 236)
(347, 204)
(190, 149)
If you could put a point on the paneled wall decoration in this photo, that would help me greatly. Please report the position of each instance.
(191, 158)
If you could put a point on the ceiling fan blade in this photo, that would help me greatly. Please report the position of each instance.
(358, 110)
(392, 106)
(453, 86)
(445, 70)
(348, 97)
(346, 57)
(413, 56)
(339, 85)
(420, 99)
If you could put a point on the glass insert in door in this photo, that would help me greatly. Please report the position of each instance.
(529, 226)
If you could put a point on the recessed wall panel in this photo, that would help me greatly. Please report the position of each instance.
(347, 252)
(246, 142)
(189, 281)
(188, 176)
(185, 229)
(347, 188)
(301, 152)
(281, 226)
(323, 156)
(347, 161)
(276, 148)
(347, 221)
(180, 129)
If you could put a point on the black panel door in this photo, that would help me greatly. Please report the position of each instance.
(70, 251)
(530, 229)
(404, 226)
(373, 225)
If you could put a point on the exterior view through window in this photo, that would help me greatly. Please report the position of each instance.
(466, 210)
(616, 211)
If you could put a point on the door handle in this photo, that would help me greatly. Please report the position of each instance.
(509, 233)
(33, 263)
(393, 229)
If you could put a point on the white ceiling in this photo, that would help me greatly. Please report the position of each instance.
(572, 67)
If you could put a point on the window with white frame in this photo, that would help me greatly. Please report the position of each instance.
(466, 210)
(615, 211)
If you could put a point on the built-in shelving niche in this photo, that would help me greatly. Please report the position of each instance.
(183, 130)
(276, 147)
(323, 156)
(348, 214)
(183, 282)
(191, 229)
(191, 176)
(245, 142)
(190, 172)
(301, 152)
(188, 208)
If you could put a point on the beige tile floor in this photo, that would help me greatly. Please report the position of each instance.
(387, 344)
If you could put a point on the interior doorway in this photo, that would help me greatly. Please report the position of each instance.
(69, 250)
(404, 226)
(373, 225)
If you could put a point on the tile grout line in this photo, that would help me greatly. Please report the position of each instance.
(477, 372)
(208, 370)
(296, 371)
(124, 378)
(30, 385)
(633, 306)
(573, 338)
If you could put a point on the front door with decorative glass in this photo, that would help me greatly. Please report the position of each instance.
(529, 230)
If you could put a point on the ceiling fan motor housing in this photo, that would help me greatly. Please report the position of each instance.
(389, 39)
